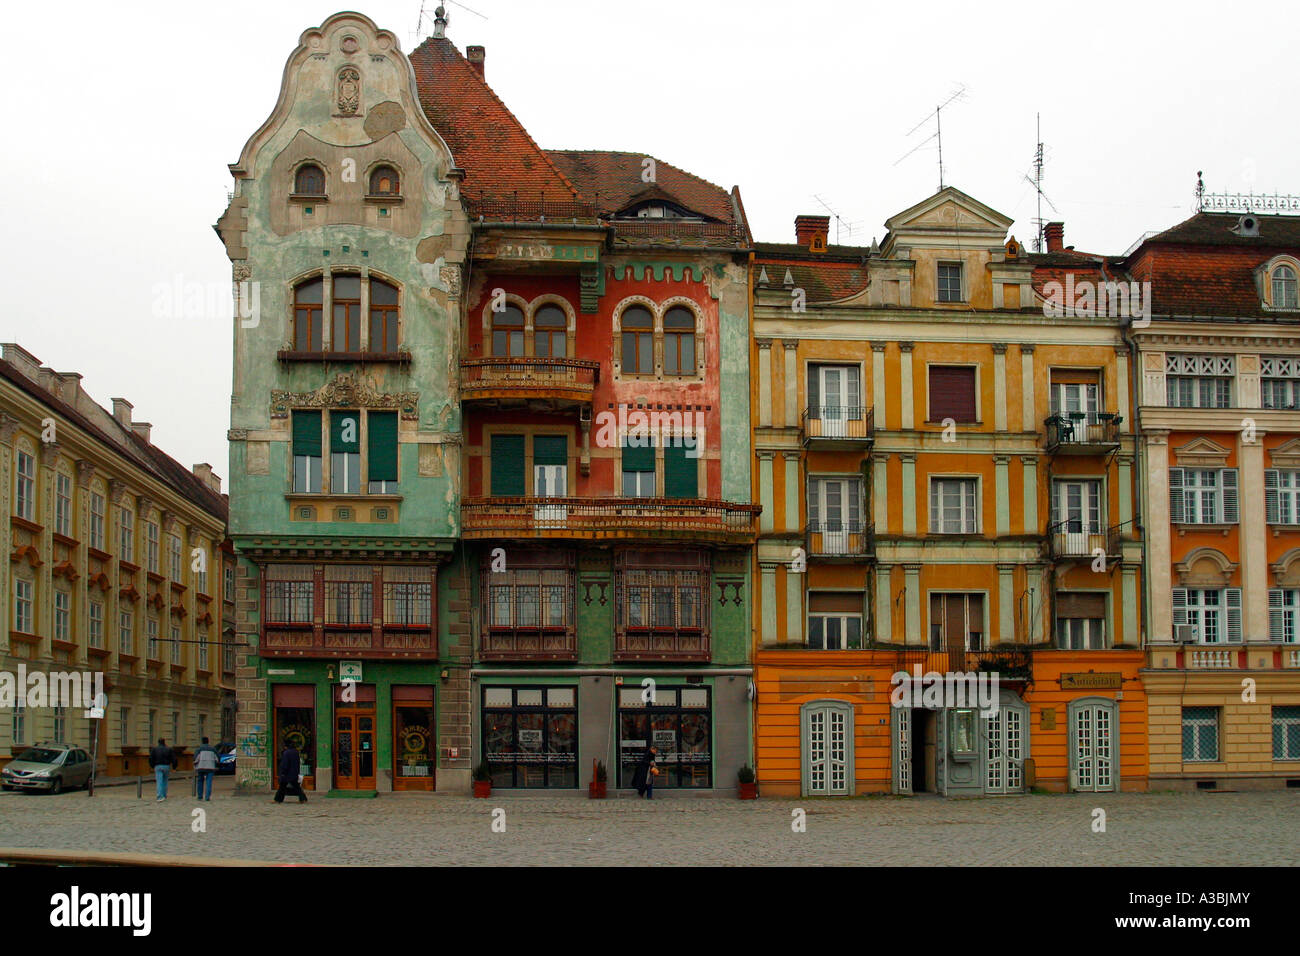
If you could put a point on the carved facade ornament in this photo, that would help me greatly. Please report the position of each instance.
(116, 490)
(167, 519)
(85, 472)
(346, 391)
(237, 434)
(144, 504)
(349, 98)
(450, 276)
(50, 454)
(8, 425)
(241, 273)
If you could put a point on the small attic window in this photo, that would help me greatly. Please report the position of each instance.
(1283, 286)
(309, 181)
(658, 210)
(384, 182)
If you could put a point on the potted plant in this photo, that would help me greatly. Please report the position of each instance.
(746, 786)
(482, 780)
(596, 789)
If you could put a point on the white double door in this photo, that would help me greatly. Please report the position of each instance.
(1077, 513)
(1004, 763)
(1093, 734)
(828, 745)
(550, 481)
(839, 391)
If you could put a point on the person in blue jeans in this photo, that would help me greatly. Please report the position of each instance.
(205, 766)
(163, 759)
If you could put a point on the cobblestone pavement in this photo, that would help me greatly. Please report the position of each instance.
(1225, 829)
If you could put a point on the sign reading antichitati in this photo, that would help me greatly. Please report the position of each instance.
(546, 251)
(1107, 680)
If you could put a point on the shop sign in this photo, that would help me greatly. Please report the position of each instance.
(1106, 680)
(530, 738)
(349, 672)
(665, 740)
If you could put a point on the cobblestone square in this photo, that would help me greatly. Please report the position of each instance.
(1160, 829)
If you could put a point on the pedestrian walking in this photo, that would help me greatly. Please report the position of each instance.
(290, 768)
(205, 767)
(646, 771)
(163, 760)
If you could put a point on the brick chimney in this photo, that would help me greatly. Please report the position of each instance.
(810, 232)
(122, 412)
(1054, 233)
(475, 55)
(142, 429)
(203, 472)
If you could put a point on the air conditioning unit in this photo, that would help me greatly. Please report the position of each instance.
(1186, 633)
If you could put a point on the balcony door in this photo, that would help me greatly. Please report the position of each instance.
(1076, 514)
(956, 626)
(550, 479)
(1092, 744)
(834, 514)
(836, 398)
(1004, 754)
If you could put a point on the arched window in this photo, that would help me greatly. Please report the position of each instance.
(309, 180)
(549, 338)
(638, 340)
(1284, 288)
(345, 333)
(383, 316)
(308, 323)
(384, 182)
(679, 341)
(508, 332)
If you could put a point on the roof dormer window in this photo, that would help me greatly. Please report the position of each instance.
(1283, 285)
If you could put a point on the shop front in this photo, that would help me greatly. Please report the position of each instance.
(677, 721)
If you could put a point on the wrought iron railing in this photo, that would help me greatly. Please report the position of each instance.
(513, 209)
(838, 422)
(613, 517)
(1069, 539)
(848, 540)
(1008, 661)
(676, 230)
(529, 373)
(529, 644)
(1077, 429)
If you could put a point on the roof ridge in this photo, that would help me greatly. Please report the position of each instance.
(658, 162)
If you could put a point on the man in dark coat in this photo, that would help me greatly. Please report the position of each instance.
(644, 777)
(290, 766)
(163, 761)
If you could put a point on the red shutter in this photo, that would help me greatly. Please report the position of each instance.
(952, 393)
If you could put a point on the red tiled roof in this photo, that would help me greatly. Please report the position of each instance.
(837, 273)
(612, 180)
(487, 141)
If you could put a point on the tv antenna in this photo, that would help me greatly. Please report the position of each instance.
(1037, 182)
(937, 135)
(439, 14)
(839, 220)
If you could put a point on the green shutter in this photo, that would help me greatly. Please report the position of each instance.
(338, 422)
(639, 459)
(382, 445)
(681, 474)
(550, 450)
(507, 465)
(306, 434)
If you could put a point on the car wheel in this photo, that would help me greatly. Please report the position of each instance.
(57, 785)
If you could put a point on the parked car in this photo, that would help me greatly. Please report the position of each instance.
(225, 758)
(48, 767)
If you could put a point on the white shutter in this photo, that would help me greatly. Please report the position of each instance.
(1228, 488)
(1180, 606)
(814, 486)
(1176, 496)
(1233, 596)
(854, 491)
(1272, 511)
(935, 514)
(853, 393)
(1275, 612)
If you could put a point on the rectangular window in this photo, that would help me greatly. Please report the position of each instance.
(151, 547)
(639, 470)
(290, 602)
(530, 606)
(834, 400)
(681, 471)
(1080, 621)
(834, 620)
(228, 653)
(346, 331)
(176, 727)
(956, 623)
(176, 645)
(201, 575)
(19, 724)
(307, 452)
(507, 464)
(203, 652)
(1200, 734)
(126, 633)
(230, 584)
(1282, 496)
(153, 727)
(25, 487)
(345, 452)
(1286, 733)
(1284, 615)
(60, 724)
(949, 286)
(1199, 381)
(1203, 495)
(63, 504)
(408, 597)
(952, 393)
(96, 624)
(174, 557)
(1279, 381)
(954, 506)
(835, 515)
(126, 539)
(97, 521)
(151, 628)
(1076, 395)
(124, 734)
(349, 595)
(661, 604)
(381, 448)
(62, 615)
(23, 596)
(1214, 613)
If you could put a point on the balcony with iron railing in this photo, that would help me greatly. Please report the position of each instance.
(1011, 662)
(625, 519)
(1082, 433)
(844, 543)
(358, 641)
(651, 645)
(838, 426)
(529, 644)
(1068, 541)
(524, 378)
(675, 232)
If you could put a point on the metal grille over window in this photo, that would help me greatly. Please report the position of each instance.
(662, 611)
(408, 597)
(348, 594)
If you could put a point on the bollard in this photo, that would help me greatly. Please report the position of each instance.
(139, 785)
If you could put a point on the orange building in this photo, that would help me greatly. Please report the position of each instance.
(946, 476)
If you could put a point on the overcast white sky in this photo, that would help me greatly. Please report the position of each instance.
(124, 116)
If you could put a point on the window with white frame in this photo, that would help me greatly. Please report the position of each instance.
(1282, 496)
(834, 514)
(1200, 733)
(1279, 381)
(97, 521)
(25, 487)
(174, 556)
(176, 645)
(60, 724)
(151, 631)
(1286, 733)
(203, 648)
(151, 546)
(62, 615)
(1215, 613)
(1284, 615)
(835, 632)
(126, 535)
(24, 593)
(96, 624)
(126, 633)
(1199, 381)
(63, 504)
(1203, 495)
(19, 723)
(834, 398)
(201, 575)
(954, 506)
(230, 583)
(1283, 281)
(949, 282)
(124, 726)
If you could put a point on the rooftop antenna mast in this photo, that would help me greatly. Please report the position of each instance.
(1037, 182)
(839, 220)
(439, 18)
(937, 136)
